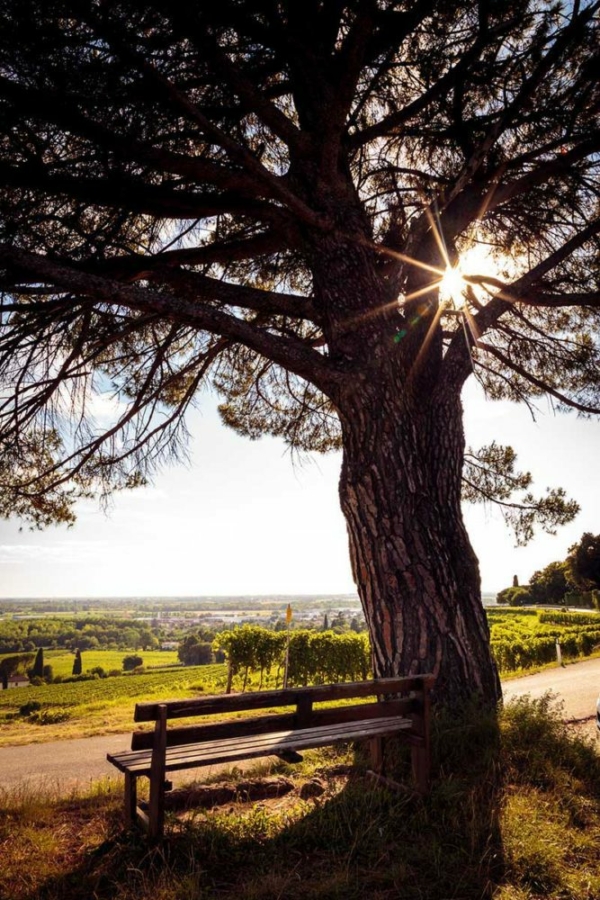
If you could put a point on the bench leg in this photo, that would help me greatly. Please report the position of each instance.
(156, 810)
(157, 776)
(376, 750)
(420, 767)
(130, 799)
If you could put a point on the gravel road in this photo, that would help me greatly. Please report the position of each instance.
(64, 764)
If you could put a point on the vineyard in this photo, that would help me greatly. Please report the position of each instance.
(520, 639)
(526, 638)
(107, 691)
(101, 705)
(314, 657)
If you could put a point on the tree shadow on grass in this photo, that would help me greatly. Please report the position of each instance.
(364, 841)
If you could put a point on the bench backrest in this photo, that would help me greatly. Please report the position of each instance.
(395, 696)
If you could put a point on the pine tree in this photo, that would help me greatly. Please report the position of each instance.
(284, 199)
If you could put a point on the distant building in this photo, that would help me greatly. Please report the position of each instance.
(17, 681)
(169, 645)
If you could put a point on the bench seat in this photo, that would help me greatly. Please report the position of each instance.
(209, 753)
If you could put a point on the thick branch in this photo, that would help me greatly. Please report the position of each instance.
(288, 352)
(519, 290)
(120, 191)
(134, 266)
(192, 284)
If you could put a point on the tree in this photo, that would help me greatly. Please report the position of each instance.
(193, 651)
(77, 663)
(147, 640)
(515, 596)
(285, 199)
(583, 562)
(551, 583)
(38, 666)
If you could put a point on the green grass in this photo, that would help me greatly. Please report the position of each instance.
(62, 660)
(514, 814)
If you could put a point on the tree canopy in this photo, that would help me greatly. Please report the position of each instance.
(583, 562)
(170, 170)
(334, 212)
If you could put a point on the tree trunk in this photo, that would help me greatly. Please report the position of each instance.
(415, 570)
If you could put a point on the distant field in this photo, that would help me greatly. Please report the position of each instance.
(62, 660)
(99, 706)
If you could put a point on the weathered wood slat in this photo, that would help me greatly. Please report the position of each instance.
(252, 746)
(191, 734)
(228, 703)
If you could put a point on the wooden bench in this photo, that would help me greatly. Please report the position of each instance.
(400, 709)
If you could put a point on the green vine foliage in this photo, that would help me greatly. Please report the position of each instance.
(519, 640)
(526, 638)
(315, 657)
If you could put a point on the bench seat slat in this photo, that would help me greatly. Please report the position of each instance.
(253, 746)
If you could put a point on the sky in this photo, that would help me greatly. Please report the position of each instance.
(244, 517)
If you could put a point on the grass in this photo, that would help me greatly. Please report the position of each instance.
(514, 814)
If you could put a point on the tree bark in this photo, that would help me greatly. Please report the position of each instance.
(415, 570)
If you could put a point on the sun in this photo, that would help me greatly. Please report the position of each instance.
(453, 286)
(479, 260)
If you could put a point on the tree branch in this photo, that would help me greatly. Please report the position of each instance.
(288, 352)
(532, 379)
(194, 285)
(118, 191)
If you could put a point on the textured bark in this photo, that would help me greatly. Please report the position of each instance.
(415, 570)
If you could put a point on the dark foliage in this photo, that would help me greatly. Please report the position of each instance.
(132, 662)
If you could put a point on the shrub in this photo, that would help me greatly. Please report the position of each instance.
(99, 671)
(30, 707)
(132, 662)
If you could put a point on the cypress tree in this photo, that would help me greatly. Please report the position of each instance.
(77, 663)
(38, 666)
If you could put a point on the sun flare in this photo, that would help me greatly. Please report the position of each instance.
(453, 286)
(475, 263)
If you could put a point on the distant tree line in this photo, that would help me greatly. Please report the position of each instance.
(27, 635)
(573, 582)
